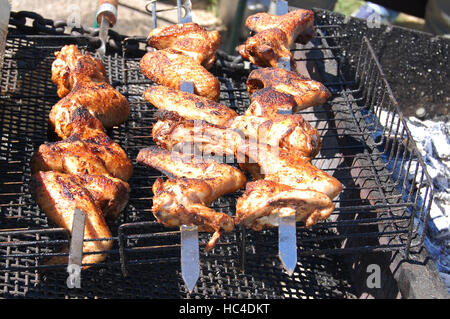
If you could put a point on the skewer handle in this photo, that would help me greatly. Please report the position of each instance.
(107, 9)
(76, 249)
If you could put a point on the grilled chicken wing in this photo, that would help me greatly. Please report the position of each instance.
(189, 39)
(71, 67)
(169, 68)
(269, 103)
(58, 195)
(306, 92)
(264, 201)
(81, 79)
(266, 48)
(280, 167)
(91, 152)
(297, 24)
(189, 106)
(195, 184)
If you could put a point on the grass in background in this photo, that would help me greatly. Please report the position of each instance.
(348, 7)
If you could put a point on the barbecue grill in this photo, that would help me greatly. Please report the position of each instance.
(383, 207)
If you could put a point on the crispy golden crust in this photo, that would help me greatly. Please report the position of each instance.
(266, 48)
(195, 184)
(267, 102)
(71, 67)
(297, 24)
(169, 68)
(189, 106)
(189, 39)
(264, 201)
(93, 153)
(306, 92)
(58, 195)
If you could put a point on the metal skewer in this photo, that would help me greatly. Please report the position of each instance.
(106, 17)
(287, 232)
(190, 260)
(76, 249)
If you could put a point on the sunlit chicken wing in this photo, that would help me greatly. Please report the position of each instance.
(266, 48)
(269, 103)
(169, 68)
(58, 195)
(264, 201)
(189, 39)
(297, 24)
(195, 184)
(188, 105)
(306, 92)
(280, 167)
(71, 67)
(93, 153)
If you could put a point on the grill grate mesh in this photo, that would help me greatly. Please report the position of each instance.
(375, 212)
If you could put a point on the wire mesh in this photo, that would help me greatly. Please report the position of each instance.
(385, 200)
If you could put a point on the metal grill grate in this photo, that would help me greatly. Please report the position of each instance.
(375, 212)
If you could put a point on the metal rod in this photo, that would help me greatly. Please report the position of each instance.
(76, 249)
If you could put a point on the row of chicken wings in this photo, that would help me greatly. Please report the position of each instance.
(275, 149)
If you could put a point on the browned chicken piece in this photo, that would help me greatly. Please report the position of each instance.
(58, 195)
(169, 68)
(281, 167)
(189, 39)
(90, 152)
(291, 133)
(268, 102)
(188, 105)
(264, 202)
(288, 132)
(266, 48)
(195, 184)
(297, 24)
(306, 92)
(71, 67)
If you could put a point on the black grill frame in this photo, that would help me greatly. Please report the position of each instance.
(376, 211)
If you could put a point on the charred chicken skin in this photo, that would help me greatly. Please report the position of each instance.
(306, 92)
(60, 194)
(298, 25)
(169, 68)
(81, 79)
(266, 48)
(195, 183)
(188, 105)
(264, 201)
(86, 170)
(189, 39)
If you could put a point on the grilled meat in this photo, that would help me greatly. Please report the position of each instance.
(90, 152)
(58, 195)
(279, 166)
(306, 92)
(81, 79)
(266, 48)
(194, 184)
(169, 68)
(268, 102)
(298, 25)
(189, 106)
(71, 67)
(189, 39)
(264, 201)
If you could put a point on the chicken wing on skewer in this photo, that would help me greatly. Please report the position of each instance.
(71, 67)
(266, 48)
(90, 152)
(188, 105)
(264, 201)
(306, 92)
(59, 194)
(194, 185)
(82, 79)
(268, 102)
(169, 68)
(189, 39)
(297, 24)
